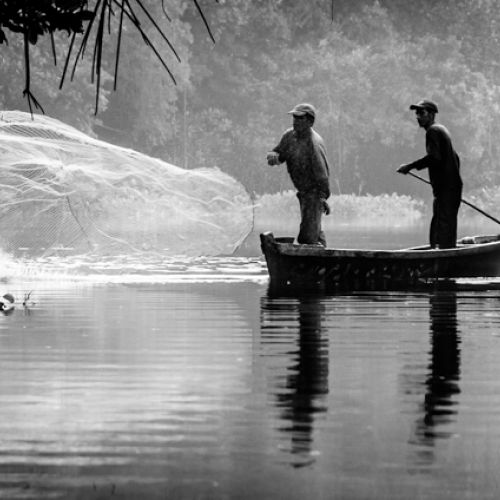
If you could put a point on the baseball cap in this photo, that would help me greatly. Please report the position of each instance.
(303, 109)
(425, 104)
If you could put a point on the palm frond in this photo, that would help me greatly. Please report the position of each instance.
(36, 19)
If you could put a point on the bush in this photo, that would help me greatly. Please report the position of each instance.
(374, 211)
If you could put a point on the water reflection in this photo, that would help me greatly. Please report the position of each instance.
(439, 407)
(302, 395)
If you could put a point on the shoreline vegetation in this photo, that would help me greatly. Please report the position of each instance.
(346, 209)
(387, 221)
(368, 211)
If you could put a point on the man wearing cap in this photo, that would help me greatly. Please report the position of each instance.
(303, 150)
(443, 164)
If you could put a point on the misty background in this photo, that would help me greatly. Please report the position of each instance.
(361, 63)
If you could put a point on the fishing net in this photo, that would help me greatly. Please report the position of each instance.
(61, 190)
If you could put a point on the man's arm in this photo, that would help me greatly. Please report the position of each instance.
(277, 154)
(420, 164)
(321, 170)
(273, 158)
(323, 185)
(432, 157)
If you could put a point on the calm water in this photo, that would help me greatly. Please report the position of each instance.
(195, 383)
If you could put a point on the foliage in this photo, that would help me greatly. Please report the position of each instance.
(487, 198)
(361, 69)
(42, 17)
(35, 19)
(362, 72)
(370, 210)
(74, 104)
(144, 111)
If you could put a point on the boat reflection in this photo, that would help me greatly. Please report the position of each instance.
(439, 408)
(296, 324)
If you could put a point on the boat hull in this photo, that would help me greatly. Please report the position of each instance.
(319, 268)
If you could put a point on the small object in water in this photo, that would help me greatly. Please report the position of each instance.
(6, 302)
(26, 298)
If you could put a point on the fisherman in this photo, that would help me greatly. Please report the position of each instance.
(443, 164)
(303, 150)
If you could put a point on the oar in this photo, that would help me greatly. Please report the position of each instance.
(462, 200)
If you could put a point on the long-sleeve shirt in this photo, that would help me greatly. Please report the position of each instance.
(305, 158)
(442, 161)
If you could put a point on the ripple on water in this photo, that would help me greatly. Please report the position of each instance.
(139, 269)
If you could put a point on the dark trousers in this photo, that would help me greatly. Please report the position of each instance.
(311, 210)
(443, 233)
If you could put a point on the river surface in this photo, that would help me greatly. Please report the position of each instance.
(186, 379)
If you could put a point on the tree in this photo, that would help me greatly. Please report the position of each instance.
(34, 20)
(145, 112)
(361, 71)
(74, 104)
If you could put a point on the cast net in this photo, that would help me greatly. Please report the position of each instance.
(61, 189)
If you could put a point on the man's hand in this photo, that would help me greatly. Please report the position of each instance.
(404, 169)
(273, 158)
(326, 207)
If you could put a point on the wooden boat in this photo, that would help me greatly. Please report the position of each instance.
(315, 267)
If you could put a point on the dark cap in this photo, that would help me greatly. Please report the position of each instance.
(425, 104)
(303, 109)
